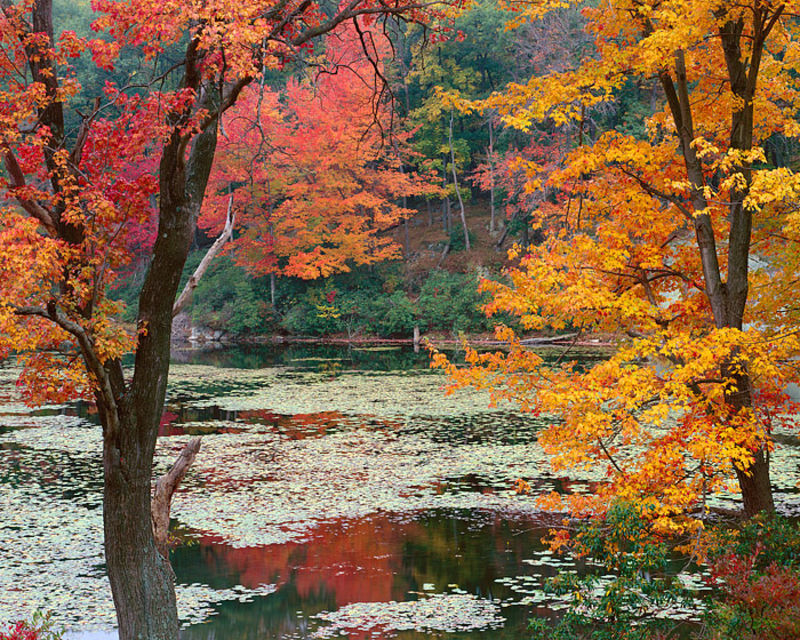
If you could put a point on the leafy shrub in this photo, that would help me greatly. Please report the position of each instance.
(227, 299)
(452, 302)
(395, 315)
(325, 309)
(40, 627)
(313, 312)
(756, 569)
(457, 238)
(637, 583)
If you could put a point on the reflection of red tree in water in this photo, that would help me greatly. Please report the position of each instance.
(297, 426)
(353, 561)
(166, 427)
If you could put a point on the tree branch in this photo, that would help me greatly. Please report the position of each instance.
(162, 496)
(30, 206)
(215, 248)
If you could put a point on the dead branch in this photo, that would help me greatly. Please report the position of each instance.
(162, 496)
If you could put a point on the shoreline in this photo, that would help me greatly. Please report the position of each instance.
(434, 339)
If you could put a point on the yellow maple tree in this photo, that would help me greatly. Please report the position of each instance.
(684, 249)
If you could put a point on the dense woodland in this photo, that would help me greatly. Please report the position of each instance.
(622, 169)
(441, 177)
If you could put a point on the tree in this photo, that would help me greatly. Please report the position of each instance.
(310, 172)
(685, 253)
(73, 200)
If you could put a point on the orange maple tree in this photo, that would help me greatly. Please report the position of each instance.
(684, 251)
(73, 203)
(313, 172)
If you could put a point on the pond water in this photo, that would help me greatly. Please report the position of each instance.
(338, 492)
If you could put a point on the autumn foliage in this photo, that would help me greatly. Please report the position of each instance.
(313, 173)
(81, 193)
(680, 246)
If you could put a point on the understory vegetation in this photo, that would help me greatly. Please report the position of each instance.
(749, 588)
(367, 302)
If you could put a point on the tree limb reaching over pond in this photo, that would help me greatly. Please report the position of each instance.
(162, 496)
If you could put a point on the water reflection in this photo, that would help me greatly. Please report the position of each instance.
(382, 558)
(304, 356)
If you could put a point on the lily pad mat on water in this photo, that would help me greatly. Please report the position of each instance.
(262, 485)
(288, 391)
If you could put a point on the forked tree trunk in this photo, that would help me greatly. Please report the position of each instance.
(728, 299)
(142, 582)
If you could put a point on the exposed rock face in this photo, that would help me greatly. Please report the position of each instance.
(184, 331)
(181, 327)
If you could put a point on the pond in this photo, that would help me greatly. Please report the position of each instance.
(338, 492)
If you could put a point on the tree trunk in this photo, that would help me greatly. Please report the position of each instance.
(455, 183)
(755, 485)
(492, 223)
(525, 238)
(754, 481)
(141, 579)
(445, 200)
(728, 300)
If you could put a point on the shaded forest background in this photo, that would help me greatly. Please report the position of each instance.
(433, 282)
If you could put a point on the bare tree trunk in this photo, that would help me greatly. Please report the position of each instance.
(213, 251)
(166, 486)
(445, 200)
(406, 240)
(455, 182)
(491, 177)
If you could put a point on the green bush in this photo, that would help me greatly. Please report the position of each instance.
(227, 299)
(637, 584)
(325, 309)
(452, 302)
(396, 315)
(313, 312)
(457, 237)
(366, 301)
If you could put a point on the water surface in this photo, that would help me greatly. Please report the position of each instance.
(338, 492)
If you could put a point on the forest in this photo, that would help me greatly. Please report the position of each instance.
(458, 319)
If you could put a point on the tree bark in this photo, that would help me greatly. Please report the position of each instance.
(728, 299)
(455, 183)
(166, 486)
(141, 579)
